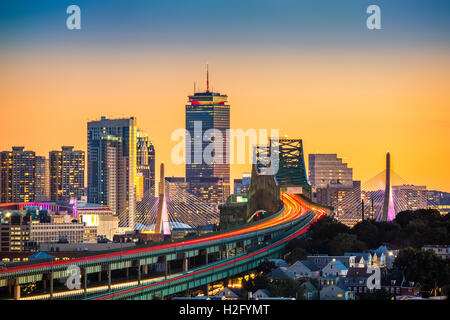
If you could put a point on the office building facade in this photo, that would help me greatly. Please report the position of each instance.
(207, 111)
(326, 169)
(112, 171)
(42, 179)
(145, 161)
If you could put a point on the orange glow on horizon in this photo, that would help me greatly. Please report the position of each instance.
(355, 105)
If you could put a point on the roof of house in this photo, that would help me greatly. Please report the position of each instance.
(281, 273)
(338, 264)
(365, 255)
(235, 291)
(40, 255)
(310, 265)
(308, 286)
(279, 263)
(264, 291)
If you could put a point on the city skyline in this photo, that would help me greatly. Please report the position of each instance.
(321, 82)
(224, 150)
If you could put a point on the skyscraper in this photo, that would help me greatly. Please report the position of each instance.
(326, 169)
(112, 172)
(333, 185)
(17, 175)
(145, 162)
(66, 174)
(208, 111)
(409, 197)
(42, 179)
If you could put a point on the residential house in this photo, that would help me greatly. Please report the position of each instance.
(329, 281)
(334, 292)
(258, 294)
(362, 259)
(310, 292)
(335, 268)
(396, 283)
(322, 260)
(305, 268)
(229, 293)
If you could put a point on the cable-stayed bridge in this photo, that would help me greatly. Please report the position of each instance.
(381, 198)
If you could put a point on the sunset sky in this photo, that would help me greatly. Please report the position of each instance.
(308, 68)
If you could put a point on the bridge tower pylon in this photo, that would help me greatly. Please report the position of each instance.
(388, 213)
(162, 220)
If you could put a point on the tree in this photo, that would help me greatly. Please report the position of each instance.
(298, 254)
(259, 282)
(285, 287)
(344, 242)
(424, 267)
(266, 267)
(366, 231)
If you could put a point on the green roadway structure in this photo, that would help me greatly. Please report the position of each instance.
(239, 249)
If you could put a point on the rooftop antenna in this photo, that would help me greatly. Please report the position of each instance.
(207, 78)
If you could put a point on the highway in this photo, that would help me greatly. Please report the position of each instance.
(294, 208)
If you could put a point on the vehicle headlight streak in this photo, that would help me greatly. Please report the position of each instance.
(294, 207)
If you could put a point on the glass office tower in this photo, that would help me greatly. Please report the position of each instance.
(205, 111)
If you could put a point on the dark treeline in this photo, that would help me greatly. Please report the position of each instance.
(409, 229)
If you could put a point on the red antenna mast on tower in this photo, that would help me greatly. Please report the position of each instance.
(207, 78)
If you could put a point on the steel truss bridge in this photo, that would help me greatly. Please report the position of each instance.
(233, 252)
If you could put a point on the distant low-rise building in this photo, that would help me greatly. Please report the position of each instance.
(72, 232)
(14, 233)
(442, 251)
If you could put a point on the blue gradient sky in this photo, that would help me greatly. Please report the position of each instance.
(224, 23)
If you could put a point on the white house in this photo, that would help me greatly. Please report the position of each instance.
(305, 268)
(335, 268)
(358, 263)
(389, 255)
